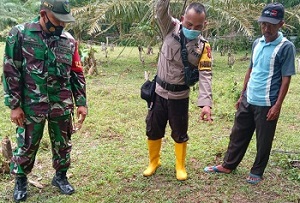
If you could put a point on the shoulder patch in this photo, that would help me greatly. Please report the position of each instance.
(66, 6)
(10, 40)
(205, 60)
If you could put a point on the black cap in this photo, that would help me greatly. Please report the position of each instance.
(272, 13)
(60, 9)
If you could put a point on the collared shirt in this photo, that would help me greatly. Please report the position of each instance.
(269, 62)
(170, 66)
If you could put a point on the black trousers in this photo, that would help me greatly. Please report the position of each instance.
(164, 110)
(250, 118)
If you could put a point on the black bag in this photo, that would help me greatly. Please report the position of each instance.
(148, 92)
(191, 75)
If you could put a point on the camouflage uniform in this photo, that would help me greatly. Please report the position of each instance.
(41, 76)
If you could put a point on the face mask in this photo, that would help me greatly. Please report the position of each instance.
(190, 34)
(54, 30)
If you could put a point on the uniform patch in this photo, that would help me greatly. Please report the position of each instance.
(63, 50)
(32, 44)
(205, 60)
(10, 40)
(46, 4)
(66, 6)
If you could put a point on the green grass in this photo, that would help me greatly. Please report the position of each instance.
(110, 152)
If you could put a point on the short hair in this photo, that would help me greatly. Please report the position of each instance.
(198, 7)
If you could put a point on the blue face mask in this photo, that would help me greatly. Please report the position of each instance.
(190, 34)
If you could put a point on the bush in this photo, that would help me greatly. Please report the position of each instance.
(233, 44)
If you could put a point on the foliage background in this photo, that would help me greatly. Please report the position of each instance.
(110, 151)
(128, 23)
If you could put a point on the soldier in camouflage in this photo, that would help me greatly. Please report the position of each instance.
(43, 79)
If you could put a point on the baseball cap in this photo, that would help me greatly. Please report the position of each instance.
(60, 9)
(272, 13)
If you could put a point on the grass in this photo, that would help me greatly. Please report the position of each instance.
(110, 152)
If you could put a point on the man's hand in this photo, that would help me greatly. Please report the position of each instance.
(274, 112)
(237, 104)
(81, 114)
(206, 114)
(17, 116)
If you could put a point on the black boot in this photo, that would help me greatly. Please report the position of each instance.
(60, 180)
(20, 191)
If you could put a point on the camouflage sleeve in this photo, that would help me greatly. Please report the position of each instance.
(12, 82)
(78, 80)
(78, 88)
(165, 21)
(205, 77)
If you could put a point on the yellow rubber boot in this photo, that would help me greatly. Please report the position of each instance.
(180, 152)
(154, 157)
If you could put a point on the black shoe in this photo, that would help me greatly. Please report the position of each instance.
(20, 191)
(60, 180)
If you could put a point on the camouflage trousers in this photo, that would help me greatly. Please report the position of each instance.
(29, 138)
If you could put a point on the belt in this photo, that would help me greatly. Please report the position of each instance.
(171, 87)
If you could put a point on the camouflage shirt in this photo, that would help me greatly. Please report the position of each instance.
(40, 74)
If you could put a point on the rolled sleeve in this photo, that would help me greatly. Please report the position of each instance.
(205, 91)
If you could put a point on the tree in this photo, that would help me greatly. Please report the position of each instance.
(134, 21)
(107, 16)
(13, 12)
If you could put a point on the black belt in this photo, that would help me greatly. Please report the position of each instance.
(171, 87)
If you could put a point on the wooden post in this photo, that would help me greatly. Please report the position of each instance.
(6, 148)
(106, 41)
(7, 154)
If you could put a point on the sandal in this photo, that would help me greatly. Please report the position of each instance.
(214, 169)
(254, 179)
